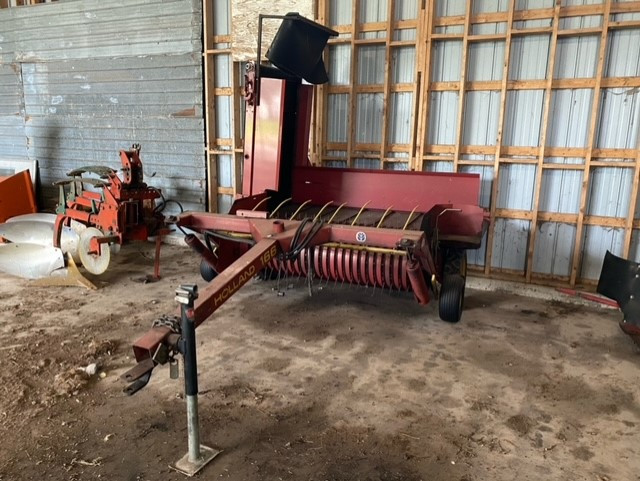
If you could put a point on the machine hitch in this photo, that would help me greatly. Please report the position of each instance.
(157, 347)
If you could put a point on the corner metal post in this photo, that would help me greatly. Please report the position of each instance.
(198, 455)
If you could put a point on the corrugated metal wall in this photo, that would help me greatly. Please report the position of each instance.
(13, 140)
(383, 86)
(459, 136)
(80, 80)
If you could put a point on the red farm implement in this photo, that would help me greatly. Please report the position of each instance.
(398, 230)
(390, 229)
(113, 209)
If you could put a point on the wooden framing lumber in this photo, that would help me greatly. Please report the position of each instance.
(591, 139)
(548, 92)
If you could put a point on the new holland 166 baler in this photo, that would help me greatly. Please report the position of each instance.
(399, 230)
(396, 230)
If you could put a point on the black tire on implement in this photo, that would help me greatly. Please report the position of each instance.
(207, 272)
(451, 298)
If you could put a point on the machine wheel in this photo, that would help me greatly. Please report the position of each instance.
(207, 272)
(451, 298)
(94, 263)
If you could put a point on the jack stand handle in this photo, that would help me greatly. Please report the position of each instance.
(186, 295)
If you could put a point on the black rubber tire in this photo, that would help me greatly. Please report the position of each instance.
(451, 298)
(207, 272)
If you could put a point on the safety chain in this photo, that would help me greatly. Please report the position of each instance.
(172, 322)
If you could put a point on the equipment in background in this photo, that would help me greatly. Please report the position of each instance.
(114, 210)
(620, 280)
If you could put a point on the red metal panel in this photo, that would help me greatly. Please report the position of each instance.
(262, 171)
(207, 221)
(466, 222)
(16, 196)
(384, 188)
(346, 234)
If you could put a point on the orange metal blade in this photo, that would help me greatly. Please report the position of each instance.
(16, 195)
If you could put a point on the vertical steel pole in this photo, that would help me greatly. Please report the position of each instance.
(191, 372)
(197, 455)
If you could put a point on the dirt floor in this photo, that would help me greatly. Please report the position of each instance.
(349, 384)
